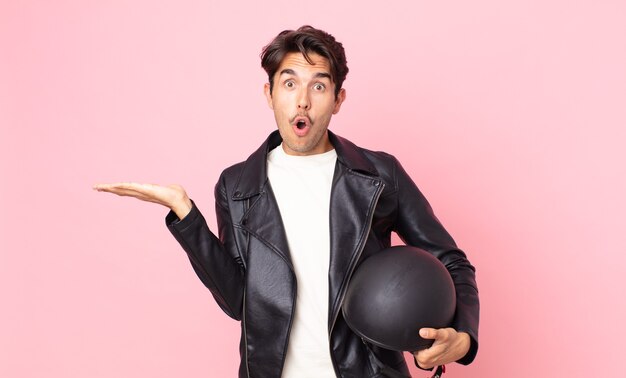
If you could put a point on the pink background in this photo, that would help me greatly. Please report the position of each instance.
(510, 115)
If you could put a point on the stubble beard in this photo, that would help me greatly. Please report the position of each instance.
(312, 141)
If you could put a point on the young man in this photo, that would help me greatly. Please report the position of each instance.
(295, 220)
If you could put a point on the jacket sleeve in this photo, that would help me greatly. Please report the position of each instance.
(215, 260)
(417, 225)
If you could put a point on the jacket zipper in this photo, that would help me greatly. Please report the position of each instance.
(245, 333)
(381, 186)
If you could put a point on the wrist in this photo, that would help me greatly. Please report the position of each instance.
(465, 342)
(182, 207)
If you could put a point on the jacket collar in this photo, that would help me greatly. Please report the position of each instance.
(254, 173)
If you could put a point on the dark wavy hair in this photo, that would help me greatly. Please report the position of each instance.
(306, 40)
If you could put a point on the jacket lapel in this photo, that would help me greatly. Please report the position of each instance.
(263, 221)
(262, 217)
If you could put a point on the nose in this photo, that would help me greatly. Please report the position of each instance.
(303, 100)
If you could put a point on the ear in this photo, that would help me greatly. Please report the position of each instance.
(341, 97)
(268, 95)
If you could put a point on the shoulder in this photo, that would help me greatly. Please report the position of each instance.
(362, 159)
(230, 176)
(233, 171)
(387, 167)
(248, 177)
(382, 161)
(370, 162)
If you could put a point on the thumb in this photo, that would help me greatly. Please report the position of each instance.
(428, 333)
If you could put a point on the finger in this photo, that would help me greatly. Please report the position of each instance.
(124, 192)
(107, 187)
(424, 358)
(433, 356)
(124, 186)
(428, 333)
(98, 187)
(137, 195)
(440, 335)
(132, 186)
(437, 348)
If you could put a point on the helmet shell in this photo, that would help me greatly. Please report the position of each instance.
(394, 293)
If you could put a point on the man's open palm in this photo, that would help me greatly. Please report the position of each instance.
(172, 196)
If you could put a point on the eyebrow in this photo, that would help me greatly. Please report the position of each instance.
(318, 75)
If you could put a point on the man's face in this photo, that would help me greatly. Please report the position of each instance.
(303, 100)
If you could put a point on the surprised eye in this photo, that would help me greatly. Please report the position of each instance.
(289, 84)
(319, 87)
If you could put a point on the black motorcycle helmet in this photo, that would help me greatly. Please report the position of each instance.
(394, 293)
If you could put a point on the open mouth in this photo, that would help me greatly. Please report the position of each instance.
(301, 125)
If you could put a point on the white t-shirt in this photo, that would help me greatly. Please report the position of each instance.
(302, 187)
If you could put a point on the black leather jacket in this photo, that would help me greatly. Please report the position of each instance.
(249, 272)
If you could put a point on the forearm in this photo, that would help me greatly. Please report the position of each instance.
(215, 267)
